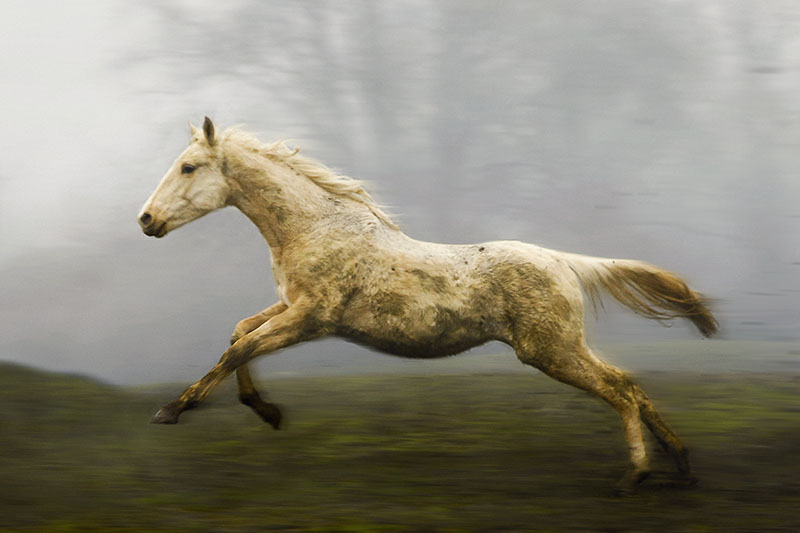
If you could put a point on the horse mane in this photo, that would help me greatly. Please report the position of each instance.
(319, 174)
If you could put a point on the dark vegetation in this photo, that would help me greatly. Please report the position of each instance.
(481, 452)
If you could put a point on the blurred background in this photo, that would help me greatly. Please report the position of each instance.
(663, 131)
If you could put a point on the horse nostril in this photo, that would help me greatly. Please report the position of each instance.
(146, 219)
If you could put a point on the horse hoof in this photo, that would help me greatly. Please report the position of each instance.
(167, 415)
(627, 485)
(271, 414)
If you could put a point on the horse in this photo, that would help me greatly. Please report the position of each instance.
(344, 268)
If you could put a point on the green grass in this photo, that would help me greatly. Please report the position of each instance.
(484, 452)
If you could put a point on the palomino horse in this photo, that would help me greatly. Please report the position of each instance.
(342, 267)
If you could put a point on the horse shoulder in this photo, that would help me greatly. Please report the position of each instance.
(325, 269)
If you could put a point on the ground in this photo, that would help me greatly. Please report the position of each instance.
(472, 452)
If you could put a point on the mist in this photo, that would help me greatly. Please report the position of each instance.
(657, 131)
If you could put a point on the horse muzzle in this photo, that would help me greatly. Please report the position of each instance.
(151, 226)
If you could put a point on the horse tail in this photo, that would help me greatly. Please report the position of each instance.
(646, 289)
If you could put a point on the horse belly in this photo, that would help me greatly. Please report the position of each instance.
(420, 347)
(421, 332)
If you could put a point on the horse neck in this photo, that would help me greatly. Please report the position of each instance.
(282, 203)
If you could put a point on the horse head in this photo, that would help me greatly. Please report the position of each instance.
(193, 186)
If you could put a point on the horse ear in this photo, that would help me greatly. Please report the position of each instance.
(208, 129)
(194, 130)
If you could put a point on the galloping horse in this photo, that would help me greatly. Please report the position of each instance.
(343, 268)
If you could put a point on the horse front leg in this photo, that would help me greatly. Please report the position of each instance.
(250, 323)
(248, 394)
(295, 324)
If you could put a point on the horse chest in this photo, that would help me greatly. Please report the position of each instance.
(280, 280)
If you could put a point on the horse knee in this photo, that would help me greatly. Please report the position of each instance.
(242, 328)
(245, 326)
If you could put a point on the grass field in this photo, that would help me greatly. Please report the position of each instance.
(482, 452)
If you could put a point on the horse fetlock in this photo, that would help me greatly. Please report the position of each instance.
(250, 398)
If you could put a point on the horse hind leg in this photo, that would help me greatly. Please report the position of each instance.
(581, 369)
(248, 395)
(668, 440)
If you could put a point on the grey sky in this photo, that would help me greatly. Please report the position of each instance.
(663, 131)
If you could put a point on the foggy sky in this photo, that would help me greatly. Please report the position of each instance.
(662, 131)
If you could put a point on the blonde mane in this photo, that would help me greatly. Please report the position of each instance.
(324, 177)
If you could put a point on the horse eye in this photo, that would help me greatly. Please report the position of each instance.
(187, 169)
